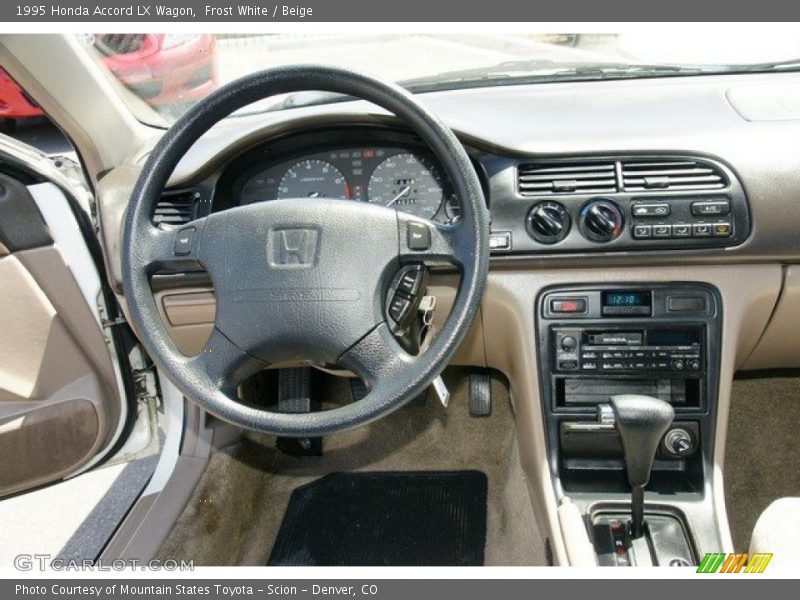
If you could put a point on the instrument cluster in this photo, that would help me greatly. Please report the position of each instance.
(405, 178)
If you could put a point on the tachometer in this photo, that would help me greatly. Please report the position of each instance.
(313, 178)
(407, 182)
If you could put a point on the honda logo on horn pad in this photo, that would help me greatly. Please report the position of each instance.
(293, 247)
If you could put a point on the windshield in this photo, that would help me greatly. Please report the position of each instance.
(170, 72)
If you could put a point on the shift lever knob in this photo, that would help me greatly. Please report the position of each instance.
(641, 422)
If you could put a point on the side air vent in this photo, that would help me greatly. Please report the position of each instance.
(541, 179)
(671, 175)
(175, 208)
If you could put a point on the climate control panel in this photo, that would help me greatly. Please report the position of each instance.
(686, 221)
(655, 204)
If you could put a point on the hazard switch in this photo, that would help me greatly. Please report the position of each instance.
(568, 305)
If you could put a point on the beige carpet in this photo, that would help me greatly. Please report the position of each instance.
(237, 508)
(762, 454)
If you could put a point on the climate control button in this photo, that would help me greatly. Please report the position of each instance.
(721, 229)
(650, 210)
(682, 230)
(711, 208)
(662, 231)
(701, 230)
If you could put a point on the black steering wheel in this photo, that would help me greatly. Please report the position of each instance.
(303, 279)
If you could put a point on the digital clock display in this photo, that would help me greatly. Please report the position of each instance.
(634, 298)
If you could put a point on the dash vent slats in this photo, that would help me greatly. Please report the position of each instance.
(646, 175)
(600, 176)
(175, 208)
(539, 179)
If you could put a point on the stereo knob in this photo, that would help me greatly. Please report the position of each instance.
(568, 343)
(601, 221)
(548, 222)
(678, 442)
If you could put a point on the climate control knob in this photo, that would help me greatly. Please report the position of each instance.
(601, 221)
(548, 222)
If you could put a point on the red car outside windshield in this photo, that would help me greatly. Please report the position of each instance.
(162, 69)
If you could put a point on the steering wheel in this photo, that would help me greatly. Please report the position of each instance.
(303, 279)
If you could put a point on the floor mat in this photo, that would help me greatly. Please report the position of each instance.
(762, 451)
(236, 511)
(433, 518)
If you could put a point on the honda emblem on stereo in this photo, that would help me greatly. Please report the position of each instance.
(293, 247)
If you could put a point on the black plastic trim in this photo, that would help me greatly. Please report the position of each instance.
(22, 226)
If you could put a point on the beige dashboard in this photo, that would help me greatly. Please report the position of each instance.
(736, 119)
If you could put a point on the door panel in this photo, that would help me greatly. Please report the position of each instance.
(27, 319)
(59, 399)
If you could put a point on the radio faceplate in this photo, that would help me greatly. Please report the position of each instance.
(660, 332)
(656, 349)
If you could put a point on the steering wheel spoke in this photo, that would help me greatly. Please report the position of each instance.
(175, 249)
(376, 357)
(435, 243)
(223, 363)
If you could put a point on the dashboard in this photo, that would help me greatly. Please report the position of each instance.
(387, 168)
(539, 205)
(664, 179)
(728, 142)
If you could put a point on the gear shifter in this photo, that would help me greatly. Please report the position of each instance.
(641, 422)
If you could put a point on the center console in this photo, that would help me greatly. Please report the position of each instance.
(654, 341)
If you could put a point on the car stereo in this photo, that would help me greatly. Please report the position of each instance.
(636, 351)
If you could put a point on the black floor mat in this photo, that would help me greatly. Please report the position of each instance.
(435, 518)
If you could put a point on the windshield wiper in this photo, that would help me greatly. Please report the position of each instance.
(786, 65)
(607, 71)
(548, 70)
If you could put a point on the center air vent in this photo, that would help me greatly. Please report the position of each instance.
(670, 175)
(175, 208)
(541, 179)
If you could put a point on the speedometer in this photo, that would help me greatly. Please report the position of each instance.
(407, 182)
(313, 178)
